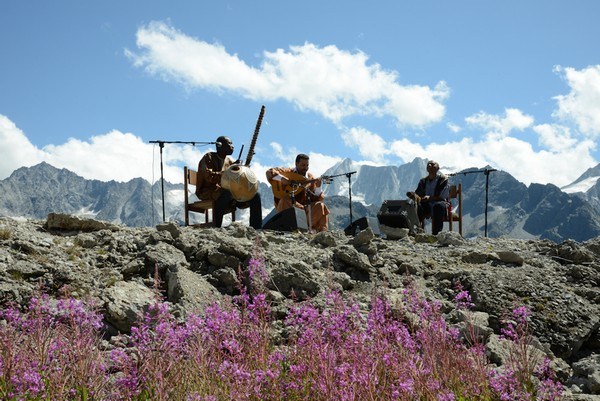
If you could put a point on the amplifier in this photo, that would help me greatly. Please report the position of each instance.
(399, 214)
(292, 219)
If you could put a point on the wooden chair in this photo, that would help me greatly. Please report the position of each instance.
(455, 193)
(190, 177)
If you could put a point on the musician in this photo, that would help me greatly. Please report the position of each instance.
(309, 198)
(432, 197)
(210, 169)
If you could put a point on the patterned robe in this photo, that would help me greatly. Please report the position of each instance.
(210, 169)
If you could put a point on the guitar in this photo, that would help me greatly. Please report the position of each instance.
(297, 185)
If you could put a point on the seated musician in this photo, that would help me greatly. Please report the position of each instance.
(431, 197)
(210, 169)
(307, 195)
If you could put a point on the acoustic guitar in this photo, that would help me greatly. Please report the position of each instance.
(297, 184)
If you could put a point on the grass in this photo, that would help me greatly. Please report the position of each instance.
(5, 233)
(52, 350)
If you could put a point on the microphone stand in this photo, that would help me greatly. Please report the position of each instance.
(487, 172)
(308, 208)
(161, 145)
(350, 193)
(349, 175)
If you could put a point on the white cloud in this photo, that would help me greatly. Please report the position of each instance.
(560, 164)
(284, 156)
(17, 150)
(453, 128)
(124, 156)
(554, 137)
(370, 145)
(319, 162)
(112, 156)
(334, 83)
(501, 126)
(512, 155)
(582, 104)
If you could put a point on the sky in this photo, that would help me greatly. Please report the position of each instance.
(89, 85)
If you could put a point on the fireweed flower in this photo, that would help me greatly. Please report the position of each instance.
(51, 351)
(329, 351)
(516, 326)
(463, 300)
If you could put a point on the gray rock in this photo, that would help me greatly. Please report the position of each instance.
(571, 252)
(226, 277)
(190, 291)
(476, 257)
(393, 233)
(588, 370)
(593, 245)
(510, 257)
(325, 238)
(220, 259)
(500, 350)
(364, 237)
(446, 238)
(343, 279)
(350, 256)
(125, 303)
(67, 222)
(171, 227)
(86, 240)
(558, 282)
(473, 325)
(288, 281)
(163, 256)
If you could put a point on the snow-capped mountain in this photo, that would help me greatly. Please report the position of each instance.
(513, 209)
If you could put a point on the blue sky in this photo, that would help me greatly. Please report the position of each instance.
(85, 85)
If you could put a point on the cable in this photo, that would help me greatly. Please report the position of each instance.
(152, 186)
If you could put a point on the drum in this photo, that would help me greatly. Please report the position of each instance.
(240, 181)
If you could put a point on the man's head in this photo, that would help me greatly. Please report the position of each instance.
(432, 168)
(302, 163)
(224, 146)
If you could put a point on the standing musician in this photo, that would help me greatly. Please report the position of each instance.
(304, 188)
(210, 170)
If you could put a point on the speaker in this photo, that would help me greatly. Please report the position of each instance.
(399, 214)
(291, 219)
(362, 224)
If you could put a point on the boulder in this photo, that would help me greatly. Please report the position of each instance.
(125, 303)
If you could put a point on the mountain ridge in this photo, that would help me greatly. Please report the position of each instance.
(513, 209)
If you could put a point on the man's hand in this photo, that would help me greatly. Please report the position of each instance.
(215, 177)
(413, 196)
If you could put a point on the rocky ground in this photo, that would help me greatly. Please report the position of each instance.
(117, 265)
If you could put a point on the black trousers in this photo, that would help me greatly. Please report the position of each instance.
(436, 210)
(225, 203)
